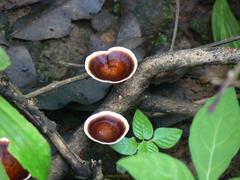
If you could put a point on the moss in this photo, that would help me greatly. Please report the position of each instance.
(68, 49)
(116, 8)
(160, 40)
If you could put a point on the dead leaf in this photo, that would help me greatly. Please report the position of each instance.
(86, 91)
(129, 28)
(56, 23)
(22, 71)
(19, 3)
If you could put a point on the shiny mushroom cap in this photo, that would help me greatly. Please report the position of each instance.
(106, 127)
(12, 167)
(113, 66)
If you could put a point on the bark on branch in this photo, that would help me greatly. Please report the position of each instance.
(155, 103)
(127, 94)
(46, 126)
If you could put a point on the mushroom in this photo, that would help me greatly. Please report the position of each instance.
(12, 167)
(106, 127)
(113, 66)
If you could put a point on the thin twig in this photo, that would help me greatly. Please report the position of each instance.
(29, 109)
(97, 170)
(231, 77)
(70, 64)
(55, 85)
(220, 43)
(175, 24)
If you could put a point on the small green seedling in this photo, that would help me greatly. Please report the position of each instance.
(213, 142)
(164, 138)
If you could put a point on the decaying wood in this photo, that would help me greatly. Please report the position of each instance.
(77, 143)
(125, 96)
(155, 103)
(34, 115)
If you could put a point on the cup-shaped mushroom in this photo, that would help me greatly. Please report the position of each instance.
(12, 167)
(106, 127)
(113, 66)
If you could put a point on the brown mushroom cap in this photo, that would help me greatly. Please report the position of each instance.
(12, 167)
(106, 127)
(113, 66)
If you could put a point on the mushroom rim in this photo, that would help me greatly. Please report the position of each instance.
(6, 140)
(108, 113)
(117, 48)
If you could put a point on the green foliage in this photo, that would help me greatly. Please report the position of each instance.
(155, 166)
(214, 136)
(26, 143)
(3, 174)
(214, 140)
(127, 146)
(117, 7)
(167, 137)
(4, 59)
(236, 178)
(224, 23)
(142, 128)
(147, 146)
(160, 40)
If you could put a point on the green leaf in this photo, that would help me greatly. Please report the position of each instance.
(144, 147)
(214, 136)
(224, 23)
(166, 137)
(3, 174)
(4, 59)
(26, 144)
(142, 127)
(155, 166)
(127, 146)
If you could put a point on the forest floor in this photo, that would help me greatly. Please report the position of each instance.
(43, 38)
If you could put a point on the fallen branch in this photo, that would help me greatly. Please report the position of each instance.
(126, 95)
(58, 84)
(31, 112)
(155, 103)
(77, 143)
